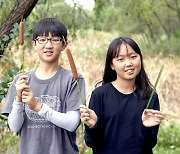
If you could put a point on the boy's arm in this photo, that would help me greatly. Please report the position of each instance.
(69, 120)
(15, 118)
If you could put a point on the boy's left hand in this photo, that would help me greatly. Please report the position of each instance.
(29, 99)
(151, 117)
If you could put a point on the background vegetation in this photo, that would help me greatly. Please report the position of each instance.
(155, 25)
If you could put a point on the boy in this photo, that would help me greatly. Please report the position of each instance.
(43, 104)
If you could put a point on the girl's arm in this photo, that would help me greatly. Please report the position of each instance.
(94, 135)
(151, 119)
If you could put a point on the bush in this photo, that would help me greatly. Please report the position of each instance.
(168, 138)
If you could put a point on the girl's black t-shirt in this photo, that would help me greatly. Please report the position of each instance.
(119, 129)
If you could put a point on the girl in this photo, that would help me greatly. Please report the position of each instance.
(117, 122)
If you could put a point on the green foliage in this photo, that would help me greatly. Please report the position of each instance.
(1, 2)
(166, 46)
(6, 81)
(177, 34)
(88, 151)
(12, 35)
(5, 9)
(8, 142)
(154, 19)
(169, 136)
(168, 139)
(163, 150)
(74, 17)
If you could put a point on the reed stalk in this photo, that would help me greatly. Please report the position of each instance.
(154, 87)
(74, 72)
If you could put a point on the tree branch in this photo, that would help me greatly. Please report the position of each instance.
(21, 10)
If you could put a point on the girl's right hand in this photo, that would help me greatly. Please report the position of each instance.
(88, 116)
(20, 85)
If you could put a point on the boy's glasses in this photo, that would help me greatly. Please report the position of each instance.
(54, 40)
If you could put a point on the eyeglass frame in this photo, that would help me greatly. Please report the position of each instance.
(49, 39)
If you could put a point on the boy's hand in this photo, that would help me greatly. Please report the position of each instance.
(88, 116)
(29, 99)
(20, 85)
(151, 117)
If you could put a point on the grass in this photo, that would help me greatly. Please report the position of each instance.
(162, 150)
(8, 142)
(168, 138)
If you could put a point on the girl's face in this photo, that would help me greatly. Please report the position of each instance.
(127, 64)
(48, 48)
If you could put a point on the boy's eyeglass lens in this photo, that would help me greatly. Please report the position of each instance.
(45, 40)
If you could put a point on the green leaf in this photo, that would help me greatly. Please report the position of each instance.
(16, 69)
(22, 67)
(1, 97)
(2, 46)
(4, 79)
(154, 88)
(26, 34)
(10, 73)
(7, 58)
(5, 38)
(15, 32)
(11, 35)
(16, 26)
(4, 85)
(1, 2)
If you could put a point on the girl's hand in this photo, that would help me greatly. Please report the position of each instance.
(20, 85)
(29, 99)
(88, 116)
(151, 117)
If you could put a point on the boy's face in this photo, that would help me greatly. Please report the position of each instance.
(48, 48)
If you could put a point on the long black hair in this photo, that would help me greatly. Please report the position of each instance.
(142, 82)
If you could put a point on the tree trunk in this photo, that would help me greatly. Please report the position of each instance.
(178, 10)
(150, 31)
(21, 10)
(162, 25)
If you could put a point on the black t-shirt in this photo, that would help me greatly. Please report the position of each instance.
(119, 129)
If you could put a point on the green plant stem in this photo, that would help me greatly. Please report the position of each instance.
(82, 101)
(154, 88)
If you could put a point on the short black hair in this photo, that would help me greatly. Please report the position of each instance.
(50, 25)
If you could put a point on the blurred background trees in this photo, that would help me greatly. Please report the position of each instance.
(157, 22)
